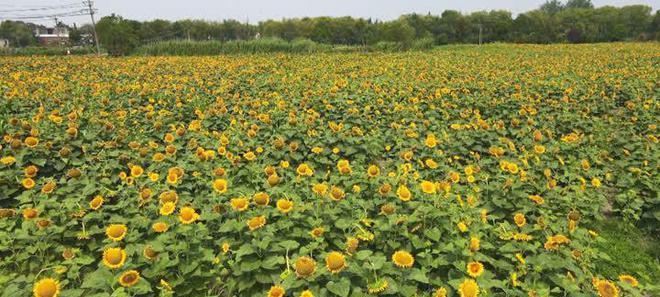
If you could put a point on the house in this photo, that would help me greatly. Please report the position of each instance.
(52, 36)
(4, 43)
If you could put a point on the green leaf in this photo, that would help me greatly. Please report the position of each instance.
(341, 288)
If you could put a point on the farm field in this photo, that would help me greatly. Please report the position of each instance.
(461, 171)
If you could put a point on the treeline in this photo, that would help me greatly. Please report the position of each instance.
(575, 21)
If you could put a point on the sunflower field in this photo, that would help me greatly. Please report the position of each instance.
(461, 171)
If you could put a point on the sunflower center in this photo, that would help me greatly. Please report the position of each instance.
(47, 289)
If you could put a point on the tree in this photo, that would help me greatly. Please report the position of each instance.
(579, 4)
(117, 35)
(18, 33)
(552, 7)
(397, 31)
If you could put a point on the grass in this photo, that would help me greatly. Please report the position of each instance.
(632, 251)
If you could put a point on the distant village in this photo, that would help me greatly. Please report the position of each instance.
(60, 35)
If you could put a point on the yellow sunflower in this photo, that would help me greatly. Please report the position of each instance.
(403, 193)
(284, 205)
(373, 171)
(96, 202)
(220, 185)
(167, 208)
(276, 291)
(428, 187)
(239, 204)
(28, 183)
(116, 232)
(475, 268)
(149, 252)
(606, 288)
(129, 278)
(31, 171)
(306, 293)
(519, 219)
(114, 258)
(159, 227)
(631, 280)
(378, 287)
(261, 198)
(305, 267)
(468, 288)
(320, 189)
(46, 287)
(336, 193)
(256, 222)
(188, 215)
(440, 292)
(403, 259)
(335, 262)
(317, 232)
(31, 141)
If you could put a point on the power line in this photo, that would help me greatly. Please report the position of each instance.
(45, 16)
(55, 7)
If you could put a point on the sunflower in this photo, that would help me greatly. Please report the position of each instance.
(306, 293)
(149, 252)
(96, 202)
(188, 215)
(336, 193)
(468, 288)
(474, 244)
(168, 196)
(606, 288)
(48, 187)
(631, 280)
(320, 189)
(7, 160)
(46, 287)
(305, 267)
(475, 268)
(276, 291)
(167, 208)
(225, 247)
(261, 198)
(428, 187)
(159, 227)
(28, 183)
(378, 287)
(136, 171)
(114, 257)
(165, 285)
(335, 262)
(317, 232)
(403, 193)
(352, 245)
(440, 292)
(220, 185)
(256, 222)
(30, 213)
(239, 204)
(403, 259)
(284, 205)
(31, 171)
(116, 232)
(31, 141)
(304, 170)
(519, 219)
(129, 278)
(373, 171)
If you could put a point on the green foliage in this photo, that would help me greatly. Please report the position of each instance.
(18, 33)
(46, 51)
(629, 249)
(117, 35)
(209, 48)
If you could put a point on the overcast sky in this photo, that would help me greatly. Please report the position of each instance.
(258, 10)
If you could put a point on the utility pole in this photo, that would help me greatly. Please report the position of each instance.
(480, 29)
(90, 4)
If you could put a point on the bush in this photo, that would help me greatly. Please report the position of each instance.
(423, 44)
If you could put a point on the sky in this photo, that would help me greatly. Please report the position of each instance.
(259, 10)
